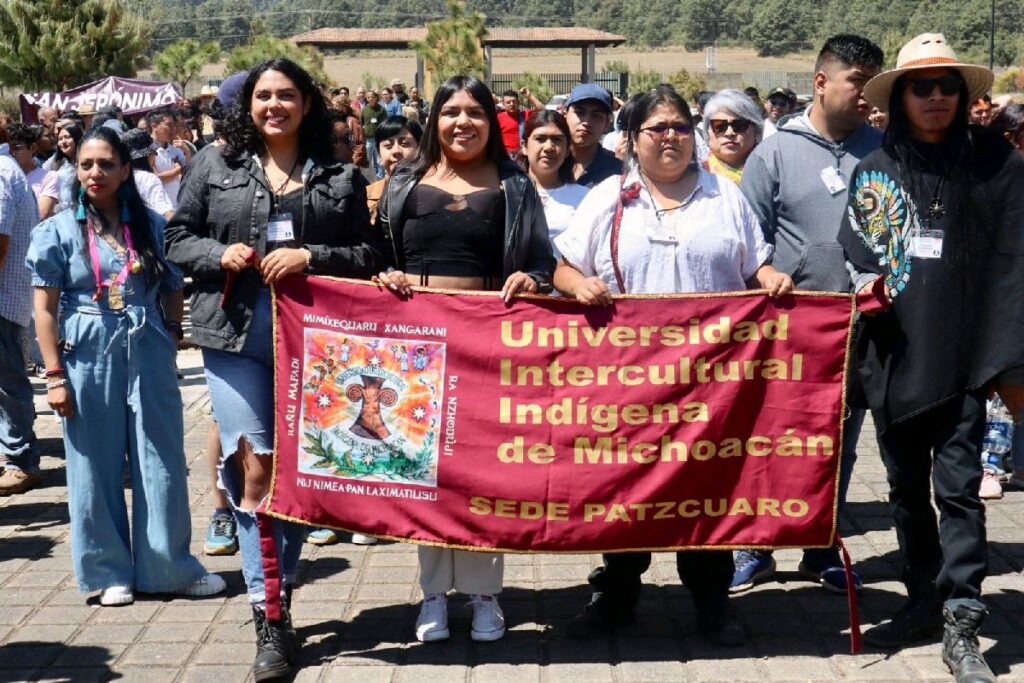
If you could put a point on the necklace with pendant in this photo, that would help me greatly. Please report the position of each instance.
(936, 209)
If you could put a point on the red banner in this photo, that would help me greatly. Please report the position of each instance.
(659, 423)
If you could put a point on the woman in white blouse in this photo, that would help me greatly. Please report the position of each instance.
(548, 162)
(151, 189)
(680, 229)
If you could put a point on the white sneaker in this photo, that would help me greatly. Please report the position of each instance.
(204, 586)
(432, 624)
(363, 539)
(488, 619)
(117, 595)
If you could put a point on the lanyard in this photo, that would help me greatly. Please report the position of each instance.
(132, 264)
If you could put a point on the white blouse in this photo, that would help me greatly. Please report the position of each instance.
(713, 243)
(152, 191)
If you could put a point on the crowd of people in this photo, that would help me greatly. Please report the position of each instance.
(897, 185)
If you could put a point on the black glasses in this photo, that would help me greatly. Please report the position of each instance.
(661, 129)
(719, 126)
(923, 87)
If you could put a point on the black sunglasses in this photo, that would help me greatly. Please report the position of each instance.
(719, 126)
(923, 87)
(660, 129)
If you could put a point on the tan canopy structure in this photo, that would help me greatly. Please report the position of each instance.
(587, 40)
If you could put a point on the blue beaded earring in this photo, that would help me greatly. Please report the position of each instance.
(123, 193)
(81, 204)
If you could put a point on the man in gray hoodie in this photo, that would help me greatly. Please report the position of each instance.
(796, 181)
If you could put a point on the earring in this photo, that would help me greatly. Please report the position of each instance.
(123, 193)
(80, 216)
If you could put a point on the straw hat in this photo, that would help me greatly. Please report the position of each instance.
(927, 51)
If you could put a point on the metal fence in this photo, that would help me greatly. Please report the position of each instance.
(563, 83)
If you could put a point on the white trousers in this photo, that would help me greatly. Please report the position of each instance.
(442, 569)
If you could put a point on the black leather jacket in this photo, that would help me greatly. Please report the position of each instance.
(527, 243)
(224, 202)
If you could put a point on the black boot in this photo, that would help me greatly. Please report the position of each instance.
(960, 645)
(919, 619)
(612, 605)
(274, 645)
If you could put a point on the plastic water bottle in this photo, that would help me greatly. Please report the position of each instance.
(998, 436)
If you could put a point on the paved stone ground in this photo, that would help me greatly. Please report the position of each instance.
(356, 605)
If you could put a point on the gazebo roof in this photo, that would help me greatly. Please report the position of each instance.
(498, 36)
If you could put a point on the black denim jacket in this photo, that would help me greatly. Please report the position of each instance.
(224, 202)
(527, 242)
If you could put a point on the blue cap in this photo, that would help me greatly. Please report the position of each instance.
(589, 91)
(230, 88)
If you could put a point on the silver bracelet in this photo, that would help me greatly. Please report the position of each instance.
(56, 383)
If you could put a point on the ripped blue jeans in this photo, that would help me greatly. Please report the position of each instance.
(241, 389)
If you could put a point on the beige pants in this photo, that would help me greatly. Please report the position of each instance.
(442, 569)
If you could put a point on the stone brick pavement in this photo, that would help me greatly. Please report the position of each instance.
(356, 606)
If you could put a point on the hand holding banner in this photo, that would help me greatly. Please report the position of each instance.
(659, 423)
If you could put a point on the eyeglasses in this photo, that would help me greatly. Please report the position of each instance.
(923, 87)
(778, 103)
(19, 147)
(719, 126)
(659, 130)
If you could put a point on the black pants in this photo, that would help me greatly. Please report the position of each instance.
(707, 573)
(944, 445)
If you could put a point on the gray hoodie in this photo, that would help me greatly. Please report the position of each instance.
(800, 215)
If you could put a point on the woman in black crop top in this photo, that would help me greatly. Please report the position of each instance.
(461, 216)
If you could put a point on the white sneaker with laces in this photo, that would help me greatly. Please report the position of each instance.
(117, 595)
(432, 624)
(363, 539)
(488, 619)
(204, 586)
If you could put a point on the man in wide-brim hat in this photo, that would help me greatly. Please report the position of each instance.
(933, 232)
(928, 51)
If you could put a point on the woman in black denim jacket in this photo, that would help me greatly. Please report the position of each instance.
(266, 205)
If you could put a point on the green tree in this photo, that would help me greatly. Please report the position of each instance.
(686, 84)
(643, 80)
(700, 24)
(63, 43)
(263, 47)
(537, 84)
(453, 47)
(182, 61)
(780, 27)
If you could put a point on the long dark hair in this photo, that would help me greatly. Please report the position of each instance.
(241, 136)
(952, 161)
(430, 148)
(59, 159)
(544, 117)
(142, 229)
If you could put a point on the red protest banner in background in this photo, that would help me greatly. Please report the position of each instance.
(659, 423)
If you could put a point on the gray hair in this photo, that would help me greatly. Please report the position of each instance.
(739, 103)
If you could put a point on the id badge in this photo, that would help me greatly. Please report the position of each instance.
(833, 181)
(926, 244)
(660, 234)
(279, 228)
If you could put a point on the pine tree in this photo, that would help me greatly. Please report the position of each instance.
(262, 47)
(454, 47)
(182, 60)
(58, 44)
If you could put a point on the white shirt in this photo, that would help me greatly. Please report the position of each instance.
(165, 159)
(769, 129)
(152, 191)
(559, 206)
(712, 244)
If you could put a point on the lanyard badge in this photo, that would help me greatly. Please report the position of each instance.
(115, 283)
